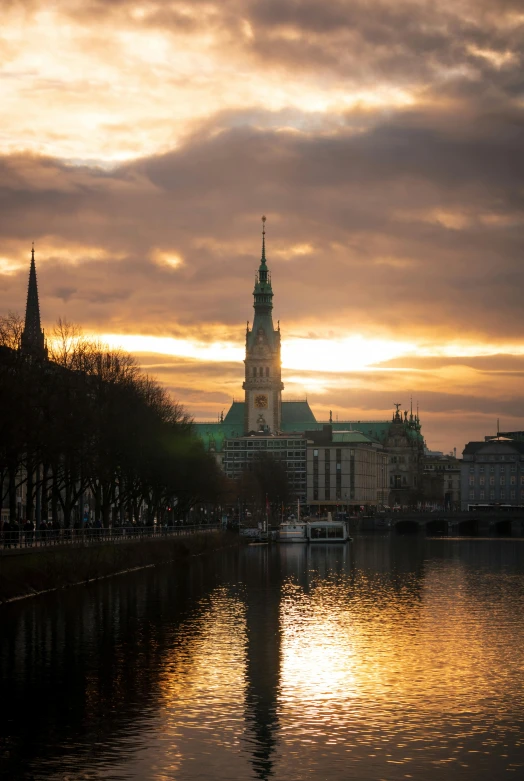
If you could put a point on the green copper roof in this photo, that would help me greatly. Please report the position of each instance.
(298, 417)
(375, 430)
(235, 414)
(294, 412)
(214, 434)
(350, 436)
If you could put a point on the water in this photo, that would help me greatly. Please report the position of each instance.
(392, 658)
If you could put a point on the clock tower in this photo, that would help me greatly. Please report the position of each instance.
(263, 383)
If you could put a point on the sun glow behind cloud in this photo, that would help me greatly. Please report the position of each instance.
(350, 354)
(353, 353)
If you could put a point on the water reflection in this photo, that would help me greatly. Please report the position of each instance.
(390, 658)
(262, 577)
(404, 666)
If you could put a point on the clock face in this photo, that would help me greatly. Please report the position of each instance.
(261, 401)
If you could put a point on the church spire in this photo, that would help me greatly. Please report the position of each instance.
(33, 339)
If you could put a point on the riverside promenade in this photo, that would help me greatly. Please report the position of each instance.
(40, 565)
(20, 542)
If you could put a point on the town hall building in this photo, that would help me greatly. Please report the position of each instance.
(361, 462)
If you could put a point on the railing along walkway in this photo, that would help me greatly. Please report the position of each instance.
(33, 541)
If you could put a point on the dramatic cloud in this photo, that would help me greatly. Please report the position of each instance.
(141, 142)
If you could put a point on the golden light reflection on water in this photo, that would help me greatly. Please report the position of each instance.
(202, 692)
(387, 659)
(400, 673)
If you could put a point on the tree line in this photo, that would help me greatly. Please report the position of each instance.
(89, 422)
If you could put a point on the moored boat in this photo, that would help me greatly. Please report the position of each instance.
(328, 531)
(314, 531)
(294, 531)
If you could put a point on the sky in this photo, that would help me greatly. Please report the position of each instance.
(141, 142)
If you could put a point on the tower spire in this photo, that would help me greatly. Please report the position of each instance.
(33, 339)
(263, 384)
(263, 293)
(263, 258)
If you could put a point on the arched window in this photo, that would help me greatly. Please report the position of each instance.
(267, 371)
(261, 371)
(254, 371)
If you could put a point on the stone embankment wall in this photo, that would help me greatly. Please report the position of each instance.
(36, 572)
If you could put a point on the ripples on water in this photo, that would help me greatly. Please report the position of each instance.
(393, 658)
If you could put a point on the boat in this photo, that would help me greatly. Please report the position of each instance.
(292, 531)
(328, 531)
(314, 531)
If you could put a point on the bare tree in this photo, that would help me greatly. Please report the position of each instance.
(11, 327)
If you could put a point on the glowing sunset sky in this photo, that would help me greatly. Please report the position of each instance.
(141, 141)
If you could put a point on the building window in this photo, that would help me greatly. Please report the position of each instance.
(472, 469)
(502, 480)
(481, 468)
(254, 371)
(513, 479)
(472, 479)
(492, 469)
(492, 481)
(513, 467)
(522, 479)
(482, 480)
(267, 371)
(482, 494)
(472, 494)
(513, 494)
(492, 495)
(502, 495)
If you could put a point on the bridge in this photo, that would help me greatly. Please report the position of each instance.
(453, 523)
